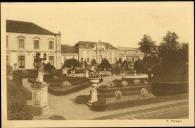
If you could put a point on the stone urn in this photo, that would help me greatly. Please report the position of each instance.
(93, 92)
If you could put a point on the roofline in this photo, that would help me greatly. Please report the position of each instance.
(54, 34)
(34, 24)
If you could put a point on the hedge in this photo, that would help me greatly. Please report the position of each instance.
(112, 94)
(82, 99)
(74, 88)
(169, 88)
(73, 81)
(123, 89)
(131, 103)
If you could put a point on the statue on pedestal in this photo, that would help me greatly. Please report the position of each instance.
(39, 88)
(39, 66)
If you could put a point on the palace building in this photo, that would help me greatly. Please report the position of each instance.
(25, 39)
(129, 54)
(68, 52)
(88, 51)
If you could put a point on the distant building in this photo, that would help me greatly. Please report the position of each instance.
(25, 39)
(129, 54)
(87, 51)
(68, 52)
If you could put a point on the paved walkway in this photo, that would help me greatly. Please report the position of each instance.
(65, 106)
(167, 111)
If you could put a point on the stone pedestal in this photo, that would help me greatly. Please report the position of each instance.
(39, 98)
(93, 91)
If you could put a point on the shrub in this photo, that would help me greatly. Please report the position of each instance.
(139, 66)
(93, 62)
(49, 68)
(105, 64)
(82, 99)
(56, 117)
(71, 63)
(99, 106)
(66, 84)
(124, 83)
(9, 69)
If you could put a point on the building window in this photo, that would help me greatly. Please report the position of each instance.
(21, 43)
(7, 45)
(21, 61)
(51, 45)
(7, 60)
(36, 44)
(51, 60)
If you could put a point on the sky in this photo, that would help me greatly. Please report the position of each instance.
(121, 24)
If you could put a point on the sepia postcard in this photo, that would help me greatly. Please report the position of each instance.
(97, 64)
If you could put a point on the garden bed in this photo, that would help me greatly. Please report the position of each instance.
(103, 106)
(57, 89)
(122, 92)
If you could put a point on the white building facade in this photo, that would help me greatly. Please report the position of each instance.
(25, 39)
(96, 50)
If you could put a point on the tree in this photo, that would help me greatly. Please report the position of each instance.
(71, 63)
(93, 62)
(139, 66)
(105, 64)
(146, 45)
(49, 68)
(173, 58)
(171, 51)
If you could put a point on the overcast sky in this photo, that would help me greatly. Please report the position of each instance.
(121, 24)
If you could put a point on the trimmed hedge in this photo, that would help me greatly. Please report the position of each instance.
(72, 80)
(82, 99)
(123, 89)
(56, 117)
(74, 88)
(112, 94)
(169, 88)
(102, 106)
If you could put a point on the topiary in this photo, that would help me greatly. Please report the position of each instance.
(118, 94)
(66, 84)
(124, 83)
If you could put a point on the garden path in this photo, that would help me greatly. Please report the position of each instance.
(67, 107)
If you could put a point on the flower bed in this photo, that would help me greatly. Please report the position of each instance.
(122, 92)
(58, 89)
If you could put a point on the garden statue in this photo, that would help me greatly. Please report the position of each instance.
(38, 64)
(39, 89)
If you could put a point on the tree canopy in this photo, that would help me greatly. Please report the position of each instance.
(146, 45)
(69, 63)
(104, 64)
